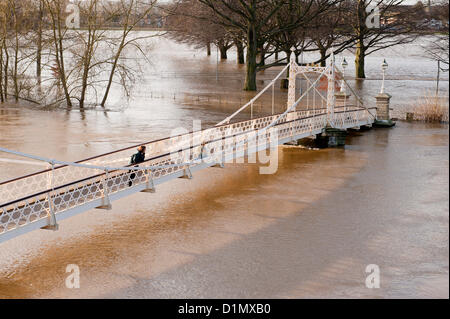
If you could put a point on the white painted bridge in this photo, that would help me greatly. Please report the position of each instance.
(41, 200)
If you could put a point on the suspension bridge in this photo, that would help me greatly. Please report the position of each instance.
(42, 199)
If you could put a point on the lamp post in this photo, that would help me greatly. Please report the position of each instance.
(383, 118)
(344, 65)
(384, 67)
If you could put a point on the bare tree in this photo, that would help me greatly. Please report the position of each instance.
(380, 24)
(186, 27)
(331, 31)
(129, 22)
(88, 60)
(56, 8)
(437, 48)
(257, 21)
(15, 43)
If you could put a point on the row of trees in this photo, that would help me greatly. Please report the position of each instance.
(269, 28)
(72, 66)
(39, 44)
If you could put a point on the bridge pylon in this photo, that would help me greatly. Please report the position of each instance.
(312, 86)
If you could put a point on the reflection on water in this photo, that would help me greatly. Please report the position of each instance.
(307, 231)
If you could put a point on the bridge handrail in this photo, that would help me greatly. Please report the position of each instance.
(42, 208)
(242, 125)
(149, 168)
(65, 164)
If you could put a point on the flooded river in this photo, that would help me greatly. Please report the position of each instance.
(309, 230)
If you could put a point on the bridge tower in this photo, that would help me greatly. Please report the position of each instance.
(295, 69)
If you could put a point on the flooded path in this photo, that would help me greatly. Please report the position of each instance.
(309, 230)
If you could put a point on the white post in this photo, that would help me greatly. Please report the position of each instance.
(292, 75)
(106, 203)
(330, 95)
(344, 65)
(149, 185)
(52, 224)
(384, 67)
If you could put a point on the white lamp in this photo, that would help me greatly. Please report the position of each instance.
(344, 65)
(384, 67)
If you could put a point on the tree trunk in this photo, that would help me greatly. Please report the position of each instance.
(262, 56)
(284, 83)
(223, 51)
(252, 52)
(5, 87)
(1, 75)
(114, 66)
(16, 64)
(240, 51)
(361, 30)
(323, 54)
(39, 45)
(208, 49)
(60, 59)
(359, 60)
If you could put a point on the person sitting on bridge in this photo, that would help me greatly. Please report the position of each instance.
(137, 158)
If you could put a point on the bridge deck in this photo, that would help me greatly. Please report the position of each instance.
(27, 202)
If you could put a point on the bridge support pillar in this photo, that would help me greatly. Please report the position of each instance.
(383, 117)
(52, 224)
(187, 173)
(149, 185)
(341, 99)
(106, 204)
(331, 137)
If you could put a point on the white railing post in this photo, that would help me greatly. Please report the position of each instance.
(149, 184)
(292, 75)
(330, 95)
(52, 224)
(106, 203)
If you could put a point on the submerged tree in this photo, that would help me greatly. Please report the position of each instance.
(259, 22)
(188, 25)
(380, 24)
(78, 65)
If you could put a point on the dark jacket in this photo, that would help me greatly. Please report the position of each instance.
(137, 158)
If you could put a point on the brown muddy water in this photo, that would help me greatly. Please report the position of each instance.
(307, 231)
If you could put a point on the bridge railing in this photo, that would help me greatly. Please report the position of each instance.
(33, 197)
(345, 118)
(61, 175)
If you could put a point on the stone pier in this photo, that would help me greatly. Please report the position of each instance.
(341, 99)
(331, 137)
(383, 117)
